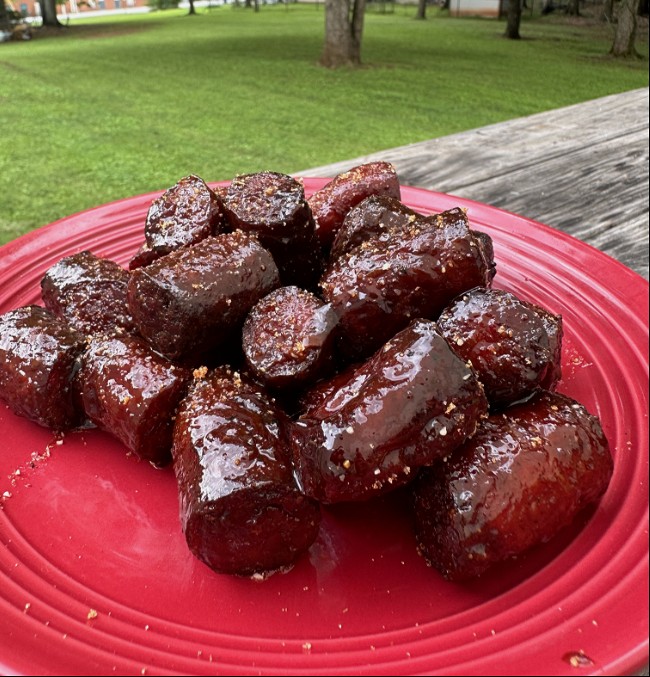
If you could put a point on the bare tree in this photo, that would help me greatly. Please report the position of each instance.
(422, 9)
(626, 26)
(343, 33)
(513, 20)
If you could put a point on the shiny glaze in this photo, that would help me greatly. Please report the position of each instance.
(381, 214)
(379, 286)
(89, 293)
(288, 338)
(39, 357)
(240, 508)
(514, 346)
(143, 257)
(191, 301)
(526, 474)
(132, 392)
(368, 432)
(373, 216)
(274, 207)
(486, 246)
(333, 201)
(185, 214)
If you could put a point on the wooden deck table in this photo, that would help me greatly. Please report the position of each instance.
(582, 169)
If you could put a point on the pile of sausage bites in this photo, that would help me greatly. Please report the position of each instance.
(286, 353)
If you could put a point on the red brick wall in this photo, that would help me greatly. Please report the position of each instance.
(73, 7)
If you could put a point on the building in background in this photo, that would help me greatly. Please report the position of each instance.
(32, 8)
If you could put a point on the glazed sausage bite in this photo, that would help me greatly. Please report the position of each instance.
(89, 293)
(372, 217)
(185, 214)
(486, 246)
(526, 474)
(39, 358)
(273, 206)
(514, 346)
(288, 338)
(191, 301)
(379, 286)
(132, 392)
(413, 402)
(143, 257)
(383, 215)
(240, 508)
(333, 201)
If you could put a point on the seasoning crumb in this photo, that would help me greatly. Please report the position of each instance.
(200, 372)
(92, 614)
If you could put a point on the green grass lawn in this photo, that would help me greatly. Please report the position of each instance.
(113, 109)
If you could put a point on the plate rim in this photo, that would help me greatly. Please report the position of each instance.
(633, 660)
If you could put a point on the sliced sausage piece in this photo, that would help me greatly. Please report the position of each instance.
(413, 402)
(514, 346)
(273, 206)
(132, 392)
(335, 199)
(185, 214)
(89, 292)
(240, 508)
(39, 358)
(374, 216)
(193, 300)
(486, 246)
(378, 287)
(288, 338)
(526, 473)
(143, 257)
(382, 215)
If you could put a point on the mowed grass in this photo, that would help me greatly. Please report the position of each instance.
(113, 109)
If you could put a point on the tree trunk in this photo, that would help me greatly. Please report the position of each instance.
(192, 10)
(343, 33)
(4, 19)
(573, 8)
(48, 13)
(514, 20)
(422, 9)
(625, 35)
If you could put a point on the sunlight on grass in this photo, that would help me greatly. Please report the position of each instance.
(112, 109)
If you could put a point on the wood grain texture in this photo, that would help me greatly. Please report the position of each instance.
(582, 169)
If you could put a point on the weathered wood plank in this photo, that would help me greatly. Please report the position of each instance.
(582, 169)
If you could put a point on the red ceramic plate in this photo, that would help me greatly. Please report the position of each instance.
(95, 576)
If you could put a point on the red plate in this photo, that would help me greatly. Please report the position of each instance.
(95, 576)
